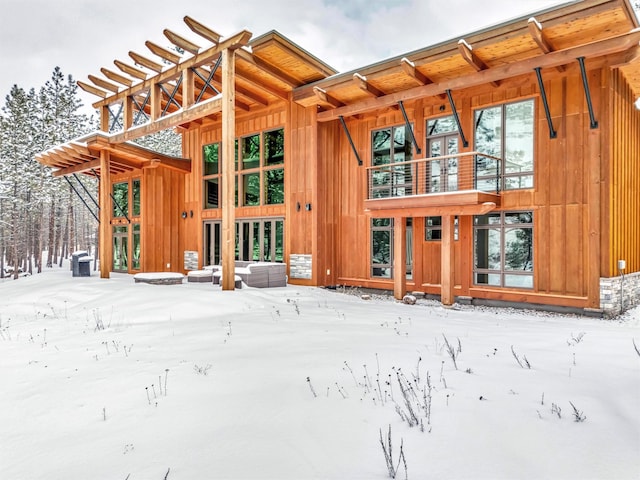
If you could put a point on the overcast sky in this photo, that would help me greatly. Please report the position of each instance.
(80, 36)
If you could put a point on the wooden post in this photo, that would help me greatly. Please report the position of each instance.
(156, 101)
(104, 241)
(127, 113)
(447, 264)
(399, 257)
(104, 118)
(188, 87)
(228, 170)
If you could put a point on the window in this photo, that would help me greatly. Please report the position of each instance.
(442, 140)
(260, 177)
(136, 197)
(135, 254)
(121, 199)
(211, 173)
(503, 249)
(381, 247)
(391, 145)
(433, 228)
(507, 132)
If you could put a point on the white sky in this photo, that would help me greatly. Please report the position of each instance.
(80, 36)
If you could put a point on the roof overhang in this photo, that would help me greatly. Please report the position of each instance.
(604, 32)
(82, 155)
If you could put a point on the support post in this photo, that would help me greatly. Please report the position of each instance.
(447, 264)
(228, 170)
(105, 247)
(399, 257)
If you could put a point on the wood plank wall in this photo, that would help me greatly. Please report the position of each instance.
(565, 199)
(623, 199)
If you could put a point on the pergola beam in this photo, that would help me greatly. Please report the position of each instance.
(116, 77)
(91, 89)
(202, 30)
(104, 84)
(163, 53)
(181, 42)
(145, 62)
(131, 70)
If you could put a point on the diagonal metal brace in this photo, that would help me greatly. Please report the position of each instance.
(409, 128)
(75, 175)
(171, 95)
(115, 202)
(207, 81)
(545, 103)
(140, 108)
(587, 93)
(82, 199)
(465, 143)
(116, 118)
(353, 147)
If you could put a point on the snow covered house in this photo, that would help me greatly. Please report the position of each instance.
(501, 166)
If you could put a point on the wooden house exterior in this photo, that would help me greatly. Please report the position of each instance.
(499, 167)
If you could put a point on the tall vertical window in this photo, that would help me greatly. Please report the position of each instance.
(507, 132)
(381, 247)
(388, 146)
(211, 174)
(135, 247)
(135, 194)
(273, 175)
(503, 249)
(120, 199)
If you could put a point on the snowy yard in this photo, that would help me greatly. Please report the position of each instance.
(108, 379)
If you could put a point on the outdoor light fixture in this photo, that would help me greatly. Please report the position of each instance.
(184, 215)
(297, 206)
(307, 207)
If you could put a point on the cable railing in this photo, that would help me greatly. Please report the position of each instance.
(435, 175)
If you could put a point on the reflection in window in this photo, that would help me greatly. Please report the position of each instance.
(251, 152)
(274, 186)
(135, 260)
(136, 197)
(503, 249)
(251, 189)
(210, 159)
(507, 132)
(274, 147)
(381, 247)
(391, 145)
(121, 199)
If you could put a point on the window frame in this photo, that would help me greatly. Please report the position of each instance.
(503, 227)
(503, 184)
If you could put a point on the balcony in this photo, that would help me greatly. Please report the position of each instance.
(461, 184)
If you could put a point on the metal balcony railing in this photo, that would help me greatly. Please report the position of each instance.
(435, 175)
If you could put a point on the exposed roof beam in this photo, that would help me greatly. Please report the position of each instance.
(410, 69)
(116, 77)
(536, 32)
(365, 86)
(104, 84)
(327, 98)
(145, 62)
(202, 30)
(239, 88)
(131, 70)
(181, 42)
(270, 69)
(471, 58)
(91, 89)
(621, 43)
(163, 53)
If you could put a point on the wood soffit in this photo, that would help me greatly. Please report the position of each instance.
(83, 156)
(549, 38)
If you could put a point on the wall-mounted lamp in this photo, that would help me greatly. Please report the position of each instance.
(307, 207)
(191, 213)
(184, 215)
(297, 206)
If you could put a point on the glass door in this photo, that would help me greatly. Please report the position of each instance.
(120, 249)
(442, 175)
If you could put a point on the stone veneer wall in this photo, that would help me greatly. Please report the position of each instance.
(300, 266)
(618, 294)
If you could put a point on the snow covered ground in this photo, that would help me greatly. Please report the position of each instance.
(108, 379)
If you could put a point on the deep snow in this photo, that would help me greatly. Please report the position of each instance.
(78, 401)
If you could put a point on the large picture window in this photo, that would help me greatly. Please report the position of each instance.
(503, 249)
(507, 132)
(259, 167)
(120, 199)
(382, 247)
